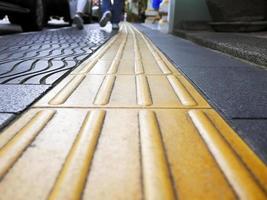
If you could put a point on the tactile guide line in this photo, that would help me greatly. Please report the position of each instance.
(125, 124)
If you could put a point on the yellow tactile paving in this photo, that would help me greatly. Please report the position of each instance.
(156, 175)
(75, 170)
(12, 150)
(126, 125)
(167, 91)
(134, 53)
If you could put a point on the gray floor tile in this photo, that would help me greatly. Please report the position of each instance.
(24, 57)
(254, 133)
(16, 98)
(239, 92)
(32, 71)
(5, 118)
(187, 54)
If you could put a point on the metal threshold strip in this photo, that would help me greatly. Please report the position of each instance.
(126, 124)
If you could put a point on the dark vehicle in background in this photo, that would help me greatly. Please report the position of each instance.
(33, 15)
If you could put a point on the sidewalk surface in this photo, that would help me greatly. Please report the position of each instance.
(32, 63)
(236, 89)
(126, 124)
(248, 46)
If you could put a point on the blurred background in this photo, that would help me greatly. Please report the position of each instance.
(170, 16)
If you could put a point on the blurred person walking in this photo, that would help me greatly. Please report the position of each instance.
(77, 10)
(111, 12)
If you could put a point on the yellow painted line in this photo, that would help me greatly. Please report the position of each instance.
(143, 92)
(11, 151)
(236, 173)
(182, 93)
(63, 95)
(72, 178)
(157, 181)
(105, 90)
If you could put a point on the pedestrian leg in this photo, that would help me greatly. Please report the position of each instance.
(80, 9)
(106, 6)
(81, 6)
(116, 13)
(73, 8)
(106, 10)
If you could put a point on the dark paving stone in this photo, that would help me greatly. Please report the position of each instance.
(238, 92)
(35, 58)
(187, 54)
(16, 98)
(245, 46)
(5, 118)
(254, 133)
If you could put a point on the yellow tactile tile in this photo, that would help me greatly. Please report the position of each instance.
(126, 125)
(12, 150)
(124, 91)
(129, 53)
(94, 155)
(77, 164)
(156, 176)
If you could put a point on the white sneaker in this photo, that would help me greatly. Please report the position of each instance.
(78, 21)
(115, 26)
(105, 18)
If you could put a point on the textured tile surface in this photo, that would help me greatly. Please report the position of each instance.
(238, 92)
(81, 139)
(5, 118)
(33, 58)
(254, 132)
(41, 58)
(16, 98)
(126, 133)
(187, 54)
(236, 89)
(251, 47)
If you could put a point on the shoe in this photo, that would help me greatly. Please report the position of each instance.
(78, 21)
(115, 26)
(105, 18)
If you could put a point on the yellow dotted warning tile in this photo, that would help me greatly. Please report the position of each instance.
(126, 125)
